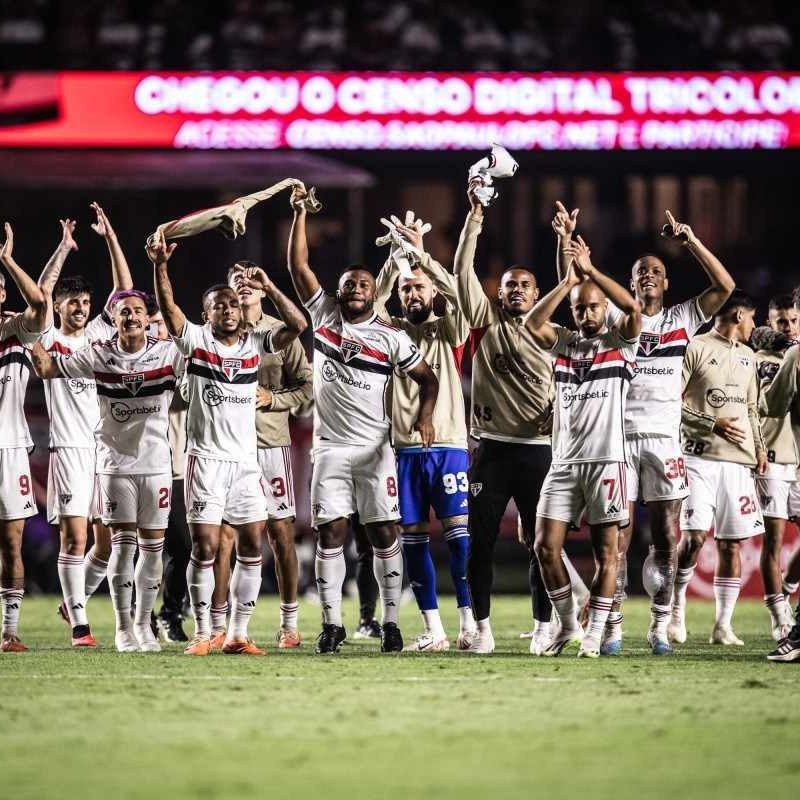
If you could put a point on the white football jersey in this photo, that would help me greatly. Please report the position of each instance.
(72, 403)
(654, 397)
(15, 369)
(592, 377)
(222, 382)
(353, 365)
(134, 391)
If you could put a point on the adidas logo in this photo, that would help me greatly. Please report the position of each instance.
(392, 574)
(394, 509)
(464, 503)
(283, 507)
(127, 585)
(77, 607)
(321, 581)
(250, 604)
(28, 505)
(612, 510)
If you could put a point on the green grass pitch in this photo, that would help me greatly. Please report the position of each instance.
(708, 723)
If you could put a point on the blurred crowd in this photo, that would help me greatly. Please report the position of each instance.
(526, 35)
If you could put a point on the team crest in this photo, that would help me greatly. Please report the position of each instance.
(133, 382)
(648, 342)
(231, 367)
(429, 331)
(580, 366)
(350, 349)
(475, 489)
(65, 499)
(744, 361)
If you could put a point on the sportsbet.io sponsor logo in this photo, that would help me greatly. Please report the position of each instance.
(212, 396)
(568, 397)
(122, 412)
(717, 398)
(79, 385)
(330, 374)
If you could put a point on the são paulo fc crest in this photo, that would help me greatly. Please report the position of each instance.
(231, 367)
(350, 349)
(133, 382)
(648, 342)
(581, 366)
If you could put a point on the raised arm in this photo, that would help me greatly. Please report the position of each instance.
(564, 223)
(120, 272)
(538, 322)
(305, 281)
(34, 317)
(294, 322)
(722, 284)
(423, 375)
(159, 253)
(52, 270)
(384, 282)
(630, 325)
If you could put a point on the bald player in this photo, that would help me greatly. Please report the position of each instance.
(594, 367)
(656, 469)
(511, 419)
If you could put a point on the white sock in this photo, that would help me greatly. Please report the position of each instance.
(659, 620)
(219, 617)
(11, 601)
(288, 612)
(466, 620)
(726, 593)
(683, 578)
(387, 564)
(245, 586)
(789, 587)
(484, 626)
(200, 581)
(329, 570)
(775, 604)
(70, 575)
(599, 609)
(120, 576)
(614, 626)
(94, 570)
(564, 605)
(433, 623)
(545, 628)
(147, 577)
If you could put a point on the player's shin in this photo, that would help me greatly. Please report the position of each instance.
(245, 586)
(329, 571)
(200, 582)
(422, 577)
(71, 577)
(120, 576)
(457, 538)
(388, 567)
(147, 577)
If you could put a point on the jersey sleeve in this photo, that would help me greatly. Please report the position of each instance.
(406, 354)
(80, 364)
(100, 328)
(263, 341)
(190, 337)
(564, 338)
(321, 308)
(15, 326)
(690, 315)
(627, 347)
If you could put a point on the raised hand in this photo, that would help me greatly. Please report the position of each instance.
(7, 250)
(297, 198)
(677, 230)
(476, 207)
(67, 229)
(564, 222)
(102, 227)
(581, 257)
(158, 251)
(251, 278)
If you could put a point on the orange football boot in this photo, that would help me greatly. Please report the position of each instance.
(199, 646)
(217, 639)
(12, 644)
(288, 639)
(84, 641)
(242, 647)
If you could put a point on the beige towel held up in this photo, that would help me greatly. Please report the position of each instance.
(230, 219)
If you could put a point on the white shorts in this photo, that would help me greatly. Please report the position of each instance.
(224, 490)
(276, 469)
(143, 500)
(354, 478)
(721, 494)
(779, 492)
(17, 500)
(594, 491)
(656, 469)
(70, 483)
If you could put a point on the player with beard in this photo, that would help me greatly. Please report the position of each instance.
(594, 367)
(435, 476)
(284, 383)
(722, 439)
(656, 470)
(16, 488)
(74, 416)
(222, 367)
(511, 418)
(778, 489)
(135, 377)
(354, 466)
